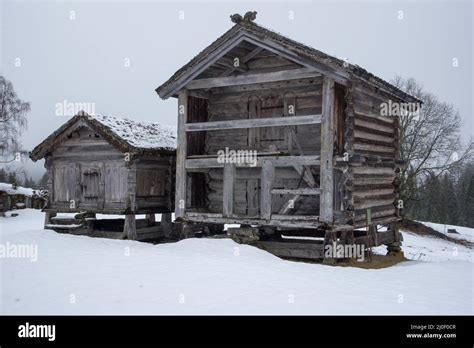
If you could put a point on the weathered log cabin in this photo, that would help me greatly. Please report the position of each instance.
(109, 165)
(13, 196)
(324, 157)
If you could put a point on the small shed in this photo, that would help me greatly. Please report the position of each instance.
(18, 197)
(285, 140)
(109, 165)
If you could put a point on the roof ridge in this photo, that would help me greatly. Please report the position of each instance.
(127, 134)
(303, 49)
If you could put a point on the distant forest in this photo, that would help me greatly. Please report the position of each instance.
(446, 199)
(21, 179)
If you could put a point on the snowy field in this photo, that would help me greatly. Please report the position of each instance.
(83, 275)
(462, 232)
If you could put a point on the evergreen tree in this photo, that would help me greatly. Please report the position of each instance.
(12, 178)
(43, 182)
(3, 175)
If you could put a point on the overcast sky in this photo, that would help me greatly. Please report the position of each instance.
(115, 54)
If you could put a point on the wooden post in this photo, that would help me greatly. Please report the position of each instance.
(268, 171)
(186, 230)
(150, 218)
(47, 217)
(131, 184)
(330, 237)
(166, 224)
(289, 108)
(394, 247)
(180, 195)
(253, 141)
(228, 190)
(327, 148)
(129, 227)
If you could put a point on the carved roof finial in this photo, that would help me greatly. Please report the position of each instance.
(248, 17)
(236, 18)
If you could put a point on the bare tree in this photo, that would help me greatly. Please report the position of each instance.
(430, 139)
(12, 122)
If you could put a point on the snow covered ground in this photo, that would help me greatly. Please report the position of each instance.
(462, 232)
(83, 275)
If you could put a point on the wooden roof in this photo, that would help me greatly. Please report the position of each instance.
(125, 134)
(248, 32)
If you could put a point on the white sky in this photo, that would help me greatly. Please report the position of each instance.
(82, 60)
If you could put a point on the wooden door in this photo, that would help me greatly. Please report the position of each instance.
(91, 182)
(64, 183)
(272, 106)
(116, 183)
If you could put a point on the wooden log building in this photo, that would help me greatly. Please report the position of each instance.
(109, 165)
(326, 159)
(13, 196)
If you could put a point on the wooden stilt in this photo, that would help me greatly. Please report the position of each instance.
(394, 247)
(150, 218)
(129, 227)
(48, 216)
(186, 230)
(329, 238)
(166, 224)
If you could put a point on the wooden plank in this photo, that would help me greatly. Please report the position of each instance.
(327, 148)
(374, 203)
(180, 195)
(374, 148)
(362, 122)
(268, 172)
(253, 141)
(290, 203)
(368, 192)
(298, 191)
(289, 110)
(302, 87)
(340, 75)
(372, 136)
(360, 215)
(296, 217)
(279, 161)
(228, 189)
(293, 249)
(244, 60)
(373, 170)
(252, 78)
(252, 200)
(253, 123)
(236, 219)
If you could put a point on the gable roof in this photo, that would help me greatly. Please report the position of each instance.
(125, 134)
(247, 30)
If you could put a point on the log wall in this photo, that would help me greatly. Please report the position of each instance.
(88, 173)
(371, 182)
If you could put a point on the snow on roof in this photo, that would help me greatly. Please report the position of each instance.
(8, 188)
(145, 135)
